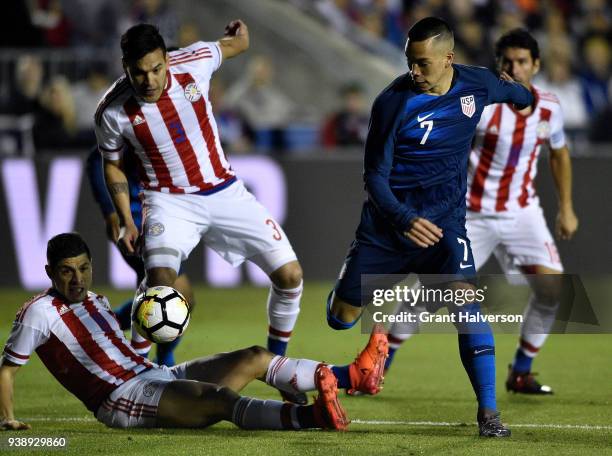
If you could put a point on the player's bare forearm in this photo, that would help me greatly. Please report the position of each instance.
(7, 379)
(561, 168)
(7, 382)
(236, 39)
(113, 226)
(119, 190)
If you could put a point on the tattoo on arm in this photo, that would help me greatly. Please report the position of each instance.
(116, 188)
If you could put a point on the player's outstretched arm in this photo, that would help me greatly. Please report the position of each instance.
(118, 188)
(505, 90)
(236, 39)
(561, 168)
(7, 381)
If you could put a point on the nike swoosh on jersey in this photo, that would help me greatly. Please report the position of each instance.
(477, 352)
(421, 119)
(463, 266)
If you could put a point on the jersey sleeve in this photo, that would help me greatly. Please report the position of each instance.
(30, 330)
(557, 133)
(108, 134)
(140, 345)
(378, 160)
(217, 58)
(501, 91)
(203, 58)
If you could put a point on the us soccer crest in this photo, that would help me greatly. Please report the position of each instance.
(468, 105)
(192, 92)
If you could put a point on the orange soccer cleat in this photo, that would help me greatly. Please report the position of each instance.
(367, 371)
(328, 412)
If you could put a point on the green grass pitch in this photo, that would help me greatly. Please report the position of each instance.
(427, 406)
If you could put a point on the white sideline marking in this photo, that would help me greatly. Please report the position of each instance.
(517, 425)
(74, 419)
(589, 427)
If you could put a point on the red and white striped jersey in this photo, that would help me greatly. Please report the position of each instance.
(81, 344)
(503, 161)
(176, 139)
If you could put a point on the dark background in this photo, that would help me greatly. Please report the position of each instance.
(324, 197)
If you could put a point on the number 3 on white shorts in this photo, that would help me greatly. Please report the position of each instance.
(277, 235)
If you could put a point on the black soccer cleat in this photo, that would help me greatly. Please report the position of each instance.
(525, 383)
(491, 426)
(296, 398)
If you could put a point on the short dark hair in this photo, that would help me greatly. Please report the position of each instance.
(428, 27)
(517, 38)
(65, 245)
(140, 40)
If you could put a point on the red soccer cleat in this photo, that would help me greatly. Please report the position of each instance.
(525, 383)
(328, 412)
(367, 371)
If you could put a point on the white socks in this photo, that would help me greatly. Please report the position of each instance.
(283, 310)
(538, 320)
(292, 375)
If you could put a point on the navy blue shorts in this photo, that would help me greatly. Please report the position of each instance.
(451, 256)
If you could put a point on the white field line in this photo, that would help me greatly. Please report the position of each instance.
(516, 425)
(589, 427)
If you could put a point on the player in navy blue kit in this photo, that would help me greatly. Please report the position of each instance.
(415, 173)
(165, 352)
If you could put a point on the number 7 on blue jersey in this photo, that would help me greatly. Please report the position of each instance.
(429, 125)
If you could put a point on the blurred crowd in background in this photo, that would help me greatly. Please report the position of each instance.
(49, 101)
(574, 37)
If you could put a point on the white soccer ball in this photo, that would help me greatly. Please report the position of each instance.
(160, 314)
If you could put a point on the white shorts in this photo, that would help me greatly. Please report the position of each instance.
(516, 238)
(232, 222)
(134, 404)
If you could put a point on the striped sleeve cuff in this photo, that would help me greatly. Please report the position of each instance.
(141, 347)
(13, 357)
(110, 154)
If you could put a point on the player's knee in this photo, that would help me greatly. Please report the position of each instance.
(288, 276)
(548, 297)
(341, 315)
(258, 359)
(257, 352)
(161, 277)
(548, 290)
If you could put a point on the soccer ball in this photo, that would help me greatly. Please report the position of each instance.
(160, 314)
